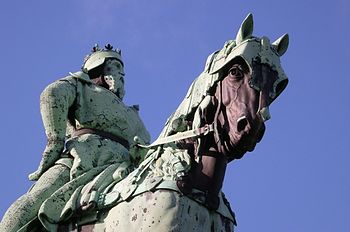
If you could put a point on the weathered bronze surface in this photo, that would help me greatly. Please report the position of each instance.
(99, 172)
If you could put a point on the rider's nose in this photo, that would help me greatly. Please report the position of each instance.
(242, 123)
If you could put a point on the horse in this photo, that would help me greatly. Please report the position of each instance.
(177, 186)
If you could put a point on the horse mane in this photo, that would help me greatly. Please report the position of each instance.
(201, 87)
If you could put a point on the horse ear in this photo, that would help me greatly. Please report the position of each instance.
(281, 44)
(246, 29)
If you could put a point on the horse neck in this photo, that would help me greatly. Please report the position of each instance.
(211, 171)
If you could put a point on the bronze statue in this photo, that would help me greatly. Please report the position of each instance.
(173, 184)
(88, 128)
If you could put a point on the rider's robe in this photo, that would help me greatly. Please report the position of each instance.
(89, 106)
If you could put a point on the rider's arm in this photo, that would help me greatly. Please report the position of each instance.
(55, 102)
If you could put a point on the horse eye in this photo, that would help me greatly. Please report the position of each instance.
(236, 72)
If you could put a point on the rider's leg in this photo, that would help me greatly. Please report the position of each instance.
(26, 207)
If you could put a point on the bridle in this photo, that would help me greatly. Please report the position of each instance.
(217, 135)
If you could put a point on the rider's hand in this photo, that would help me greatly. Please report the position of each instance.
(137, 152)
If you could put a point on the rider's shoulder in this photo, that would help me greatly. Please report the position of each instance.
(74, 77)
(80, 76)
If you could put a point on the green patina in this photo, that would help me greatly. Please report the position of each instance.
(90, 173)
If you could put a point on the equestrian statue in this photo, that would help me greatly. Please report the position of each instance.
(99, 171)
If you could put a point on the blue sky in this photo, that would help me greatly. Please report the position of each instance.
(297, 179)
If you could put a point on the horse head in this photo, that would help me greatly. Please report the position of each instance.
(231, 97)
(248, 78)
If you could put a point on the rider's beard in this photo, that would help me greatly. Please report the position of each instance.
(115, 85)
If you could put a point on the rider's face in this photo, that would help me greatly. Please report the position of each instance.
(114, 77)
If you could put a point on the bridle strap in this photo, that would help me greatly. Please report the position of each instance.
(217, 136)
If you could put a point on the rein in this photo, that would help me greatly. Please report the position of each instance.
(206, 129)
(194, 133)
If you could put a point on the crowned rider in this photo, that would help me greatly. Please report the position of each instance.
(88, 128)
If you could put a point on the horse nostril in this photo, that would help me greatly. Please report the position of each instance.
(242, 123)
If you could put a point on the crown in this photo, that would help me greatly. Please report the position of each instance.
(98, 56)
